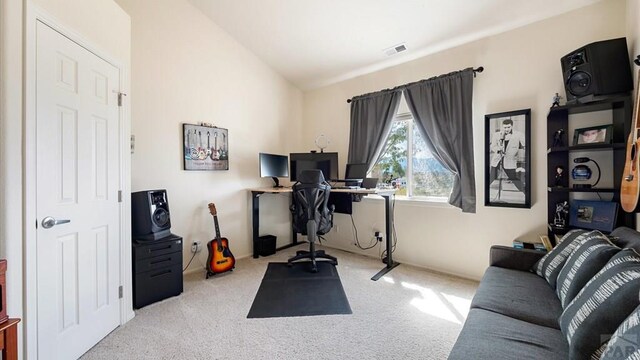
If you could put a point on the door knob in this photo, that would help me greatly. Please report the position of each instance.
(50, 222)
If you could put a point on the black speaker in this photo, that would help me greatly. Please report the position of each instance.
(596, 71)
(150, 218)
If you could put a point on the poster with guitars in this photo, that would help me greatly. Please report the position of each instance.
(220, 258)
(630, 187)
(205, 147)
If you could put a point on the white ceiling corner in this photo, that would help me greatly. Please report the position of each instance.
(314, 43)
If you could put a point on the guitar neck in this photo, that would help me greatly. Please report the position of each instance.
(215, 221)
(636, 121)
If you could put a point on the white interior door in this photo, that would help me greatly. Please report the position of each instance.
(77, 126)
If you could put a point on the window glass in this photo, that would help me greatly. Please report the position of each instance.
(391, 168)
(407, 165)
(430, 177)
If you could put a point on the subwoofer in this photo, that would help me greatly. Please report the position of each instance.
(150, 218)
(596, 71)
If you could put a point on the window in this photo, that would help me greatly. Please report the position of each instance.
(419, 175)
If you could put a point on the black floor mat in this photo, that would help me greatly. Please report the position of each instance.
(296, 291)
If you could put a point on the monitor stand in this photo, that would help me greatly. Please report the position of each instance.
(277, 181)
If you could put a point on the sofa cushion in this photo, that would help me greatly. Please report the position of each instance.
(584, 262)
(550, 265)
(518, 294)
(625, 342)
(601, 306)
(491, 336)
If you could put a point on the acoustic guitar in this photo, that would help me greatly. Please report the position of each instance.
(630, 189)
(220, 258)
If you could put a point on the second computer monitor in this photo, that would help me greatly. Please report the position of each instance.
(356, 171)
(325, 162)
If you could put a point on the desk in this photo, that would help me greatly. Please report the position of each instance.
(388, 211)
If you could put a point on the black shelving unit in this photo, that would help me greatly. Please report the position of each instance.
(558, 118)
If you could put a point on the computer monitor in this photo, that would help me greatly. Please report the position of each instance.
(325, 162)
(274, 166)
(356, 171)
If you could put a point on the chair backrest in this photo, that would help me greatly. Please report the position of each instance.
(310, 202)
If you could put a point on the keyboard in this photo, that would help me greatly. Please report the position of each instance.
(346, 187)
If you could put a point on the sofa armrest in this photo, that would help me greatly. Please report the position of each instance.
(516, 259)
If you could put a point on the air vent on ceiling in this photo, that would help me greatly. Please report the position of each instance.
(395, 49)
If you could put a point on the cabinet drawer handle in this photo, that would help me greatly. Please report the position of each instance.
(158, 249)
(161, 273)
(159, 261)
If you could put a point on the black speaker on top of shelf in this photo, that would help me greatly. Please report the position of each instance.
(597, 70)
(150, 218)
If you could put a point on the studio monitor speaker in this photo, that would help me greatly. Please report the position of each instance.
(598, 70)
(150, 218)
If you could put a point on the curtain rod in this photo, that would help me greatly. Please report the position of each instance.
(479, 69)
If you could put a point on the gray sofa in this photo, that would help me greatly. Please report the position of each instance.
(514, 313)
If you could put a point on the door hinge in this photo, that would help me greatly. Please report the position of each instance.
(120, 292)
(120, 96)
(119, 196)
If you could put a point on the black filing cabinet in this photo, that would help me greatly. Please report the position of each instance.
(157, 270)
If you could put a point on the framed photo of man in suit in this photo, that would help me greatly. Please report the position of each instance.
(508, 159)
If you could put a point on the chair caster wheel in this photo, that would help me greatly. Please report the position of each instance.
(289, 264)
(314, 269)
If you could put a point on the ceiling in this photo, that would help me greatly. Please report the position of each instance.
(314, 43)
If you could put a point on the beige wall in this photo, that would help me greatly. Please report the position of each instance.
(633, 30)
(522, 70)
(185, 69)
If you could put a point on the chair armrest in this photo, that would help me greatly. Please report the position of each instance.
(516, 259)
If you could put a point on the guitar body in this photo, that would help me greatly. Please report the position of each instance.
(220, 258)
(630, 188)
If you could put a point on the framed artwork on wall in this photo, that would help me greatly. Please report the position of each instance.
(205, 147)
(508, 159)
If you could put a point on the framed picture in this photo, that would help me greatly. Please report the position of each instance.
(508, 159)
(593, 135)
(595, 215)
(205, 147)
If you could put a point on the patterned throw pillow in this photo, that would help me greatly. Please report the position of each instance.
(550, 265)
(602, 304)
(625, 342)
(593, 252)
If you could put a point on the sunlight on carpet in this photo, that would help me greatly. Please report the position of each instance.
(435, 303)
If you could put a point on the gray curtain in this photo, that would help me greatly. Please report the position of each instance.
(441, 108)
(371, 117)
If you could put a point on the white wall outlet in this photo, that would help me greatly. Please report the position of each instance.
(196, 247)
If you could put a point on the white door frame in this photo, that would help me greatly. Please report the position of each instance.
(34, 14)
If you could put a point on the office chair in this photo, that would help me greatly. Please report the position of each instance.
(311, 215)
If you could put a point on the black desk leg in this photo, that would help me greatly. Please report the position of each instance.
(388, 211)
(255, 217)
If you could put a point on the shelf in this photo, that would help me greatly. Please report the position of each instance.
(590, 147)
(559, 231)
(579, 108)
(588, 190)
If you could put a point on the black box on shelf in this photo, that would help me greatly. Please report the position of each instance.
(266, 245)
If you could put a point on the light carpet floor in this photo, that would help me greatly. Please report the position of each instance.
(411, 313)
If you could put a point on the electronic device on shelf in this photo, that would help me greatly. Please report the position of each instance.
(326, 162)
(274, 166)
